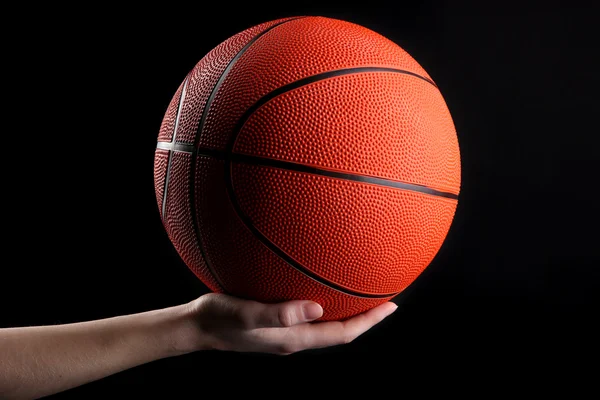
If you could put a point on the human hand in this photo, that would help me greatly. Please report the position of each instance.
(222, 322)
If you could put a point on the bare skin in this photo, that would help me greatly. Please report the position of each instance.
(42, 360)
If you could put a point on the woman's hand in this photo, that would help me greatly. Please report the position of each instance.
(222, 322)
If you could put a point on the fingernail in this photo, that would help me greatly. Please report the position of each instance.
(393, 309)
(312, 311)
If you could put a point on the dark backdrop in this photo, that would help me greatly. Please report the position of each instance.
(514, 282)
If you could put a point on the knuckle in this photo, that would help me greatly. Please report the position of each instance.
(285, 316)
(204, 302)
(205, 305)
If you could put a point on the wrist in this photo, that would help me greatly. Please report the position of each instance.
(184, 332)
(171, 330)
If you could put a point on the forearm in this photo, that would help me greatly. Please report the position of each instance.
(37, 361)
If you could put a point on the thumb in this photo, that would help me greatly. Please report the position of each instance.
(287, 314)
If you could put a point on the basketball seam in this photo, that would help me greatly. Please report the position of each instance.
(307, 81)
(194, 157)
(339, 175)
(170, 157)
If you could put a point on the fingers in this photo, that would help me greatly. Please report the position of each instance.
(325, 334)
(249, 314)
(282, 328)
(285, 314)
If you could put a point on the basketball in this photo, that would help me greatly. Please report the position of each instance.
(308, 158)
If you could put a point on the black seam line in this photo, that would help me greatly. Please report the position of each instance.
(192, 184)
(224, 75)
(306, 81)
(169, 162)
(290, 166)
(298, 266)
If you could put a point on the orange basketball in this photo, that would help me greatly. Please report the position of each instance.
(308, 158)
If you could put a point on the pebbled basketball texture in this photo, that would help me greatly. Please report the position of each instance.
(308, 158)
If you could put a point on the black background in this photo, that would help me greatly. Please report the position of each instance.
(513, 285)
